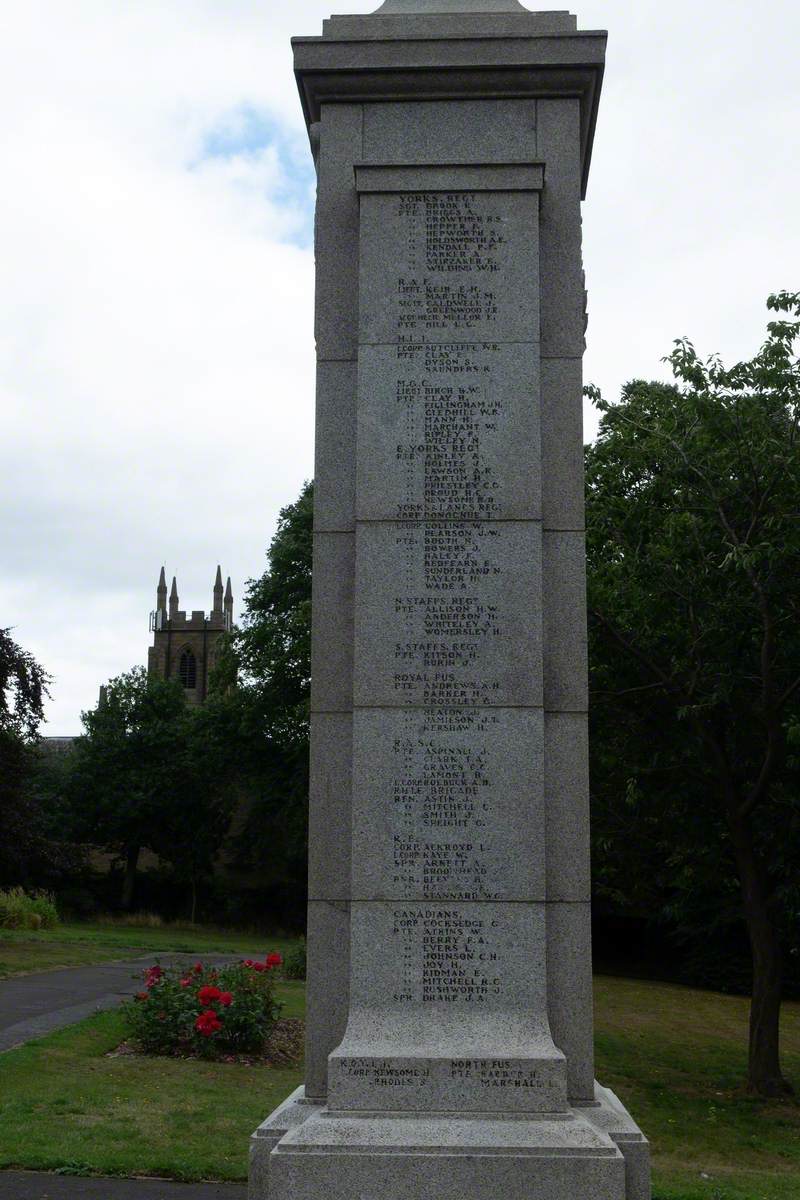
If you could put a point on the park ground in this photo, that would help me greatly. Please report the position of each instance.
(82, 944)
(674, 1055)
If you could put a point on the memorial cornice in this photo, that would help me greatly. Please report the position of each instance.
(538, 66)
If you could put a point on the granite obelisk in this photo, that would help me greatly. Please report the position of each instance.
(449, 1049)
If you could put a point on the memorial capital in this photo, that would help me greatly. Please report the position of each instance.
(440, 7)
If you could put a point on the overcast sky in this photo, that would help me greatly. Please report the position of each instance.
(156, 348)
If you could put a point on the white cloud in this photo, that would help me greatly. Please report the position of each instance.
(156, 356)
(691, 216)
(156, 342)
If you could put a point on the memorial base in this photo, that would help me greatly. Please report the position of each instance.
(306, 1152)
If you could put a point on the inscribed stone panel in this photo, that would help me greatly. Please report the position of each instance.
(448, 804)
(448, 613)
(449, 430)
(449, 266)
(451, 1014)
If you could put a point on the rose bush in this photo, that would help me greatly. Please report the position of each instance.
(205, 1010)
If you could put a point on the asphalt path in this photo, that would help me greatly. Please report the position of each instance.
(33, 1005)
(31, 1185)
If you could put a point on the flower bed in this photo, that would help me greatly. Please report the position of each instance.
(206, 1011)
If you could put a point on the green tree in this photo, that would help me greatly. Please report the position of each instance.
(200, 821)
(693, 544)
(23, 689)
(147, 774)
(269, 657)
(26, 854)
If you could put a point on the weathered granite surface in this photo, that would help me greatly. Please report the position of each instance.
(449, 1048)
(449, 6)
(552, 1158)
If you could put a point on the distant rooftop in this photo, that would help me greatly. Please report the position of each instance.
(56, 745)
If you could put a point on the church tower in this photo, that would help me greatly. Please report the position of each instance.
(185, 645)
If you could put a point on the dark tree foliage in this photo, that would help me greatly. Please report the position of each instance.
(270, 658)
(24, 853)
(183, 782)
(151, 773)
(693, 560)
(23, 689)
(28, 854)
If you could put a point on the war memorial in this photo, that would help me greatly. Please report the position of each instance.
(449, 1044)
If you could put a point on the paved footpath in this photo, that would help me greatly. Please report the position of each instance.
(33, 1005)
(31, 1185)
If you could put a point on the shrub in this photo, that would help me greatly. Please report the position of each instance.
(295, 965)
(27, 910)
(205, 1011)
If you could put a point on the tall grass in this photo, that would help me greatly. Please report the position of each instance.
(139, 920)
(27, 910)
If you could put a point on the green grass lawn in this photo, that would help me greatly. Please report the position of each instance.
(674, 1055)
(677, 1057)
(64, 1103)
(80, 944)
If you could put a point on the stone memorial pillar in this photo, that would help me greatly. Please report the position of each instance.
(449, 1049)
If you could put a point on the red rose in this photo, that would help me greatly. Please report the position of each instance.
(274, 959)
(207, 995)
(207, 1023)
(257, 966)
(226, 999)
(248, 962)
(152, 976)
(185, 982)
(142, 995)
(198, 968)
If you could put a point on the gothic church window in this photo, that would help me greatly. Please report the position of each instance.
(187, 669)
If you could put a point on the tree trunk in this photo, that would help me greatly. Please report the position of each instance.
(764, 1075)
(129, 881)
